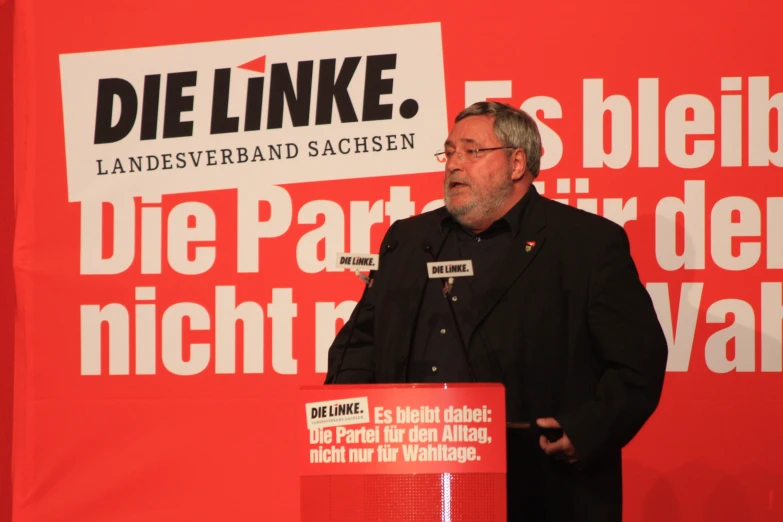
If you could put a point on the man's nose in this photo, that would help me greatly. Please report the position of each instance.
(454, 162)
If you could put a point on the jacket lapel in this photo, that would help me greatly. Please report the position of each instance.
(522, 251)
(431, 245)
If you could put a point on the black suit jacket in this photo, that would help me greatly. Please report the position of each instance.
(567, 327)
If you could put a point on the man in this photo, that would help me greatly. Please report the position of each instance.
(555, 311)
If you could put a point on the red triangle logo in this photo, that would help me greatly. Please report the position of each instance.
(257, 65)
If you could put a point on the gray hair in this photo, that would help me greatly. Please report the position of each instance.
(512, 127)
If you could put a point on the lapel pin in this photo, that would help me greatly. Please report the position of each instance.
(529, 246)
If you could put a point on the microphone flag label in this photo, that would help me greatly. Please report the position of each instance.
(459, 268)
(357, 261)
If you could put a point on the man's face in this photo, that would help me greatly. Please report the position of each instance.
(475, 189)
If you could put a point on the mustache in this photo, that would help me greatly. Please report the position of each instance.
(453, 180)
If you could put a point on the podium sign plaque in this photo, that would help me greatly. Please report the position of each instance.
(417, 452)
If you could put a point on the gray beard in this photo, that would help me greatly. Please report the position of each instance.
(479, 211)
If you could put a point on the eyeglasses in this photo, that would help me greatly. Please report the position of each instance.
(468, 155)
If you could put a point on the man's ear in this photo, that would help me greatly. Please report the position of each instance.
(519, 159)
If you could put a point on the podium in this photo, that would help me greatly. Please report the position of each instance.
(403, 452)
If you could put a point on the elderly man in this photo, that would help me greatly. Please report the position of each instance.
(554, 310)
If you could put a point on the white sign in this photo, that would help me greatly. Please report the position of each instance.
(274, 110)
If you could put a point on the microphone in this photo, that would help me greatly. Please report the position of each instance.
(390, 246)
(447, 285)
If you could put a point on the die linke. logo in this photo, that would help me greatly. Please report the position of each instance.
(331, 90)
(272, 110)
(337, 413)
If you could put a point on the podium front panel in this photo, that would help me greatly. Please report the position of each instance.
(403, 453)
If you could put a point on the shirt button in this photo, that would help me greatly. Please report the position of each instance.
(434, 368)
(478, 240)
(454, 298)
(442, 330)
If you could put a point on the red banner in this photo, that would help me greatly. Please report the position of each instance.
(186, 177)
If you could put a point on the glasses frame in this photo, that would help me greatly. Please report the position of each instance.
(471, 154)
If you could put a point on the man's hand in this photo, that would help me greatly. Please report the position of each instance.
(561, 448)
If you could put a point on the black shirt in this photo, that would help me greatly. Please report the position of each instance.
(439, 345)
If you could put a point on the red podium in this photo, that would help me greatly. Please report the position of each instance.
(402, 453)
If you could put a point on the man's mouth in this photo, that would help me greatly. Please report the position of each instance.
(457, 184)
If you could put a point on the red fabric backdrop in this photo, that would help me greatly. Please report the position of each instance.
(96, 441)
